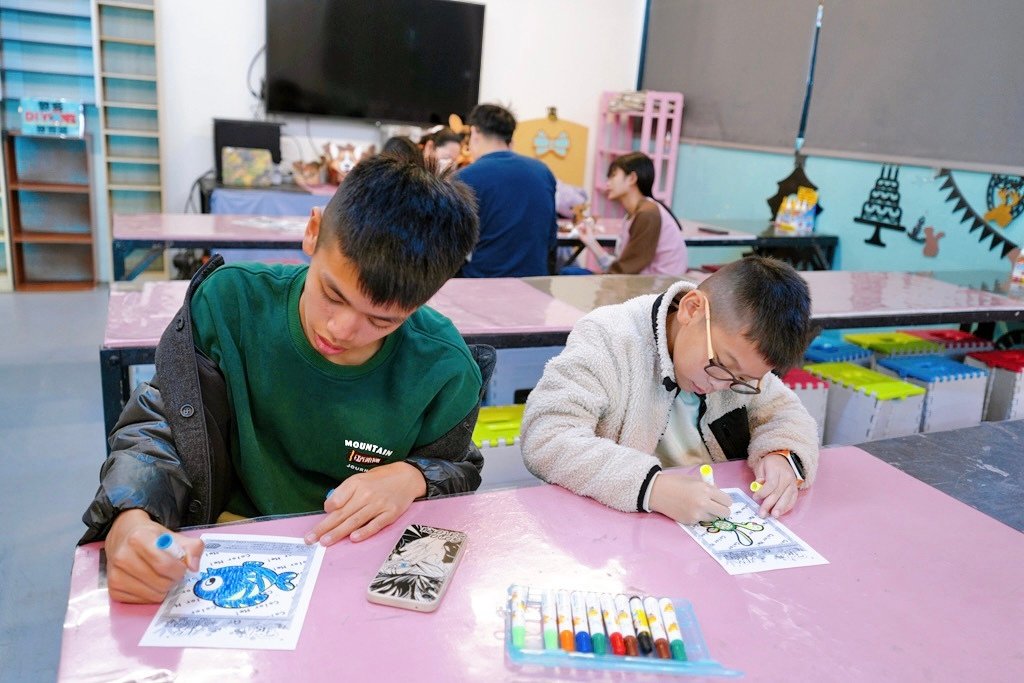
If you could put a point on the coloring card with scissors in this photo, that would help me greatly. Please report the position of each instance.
(250, 592)
(745, 543)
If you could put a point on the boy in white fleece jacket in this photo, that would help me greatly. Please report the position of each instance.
(680, 378)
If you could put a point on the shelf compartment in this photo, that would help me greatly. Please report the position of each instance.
(38, 212)
(45, 28)
(119, 23)
(132, 147)
(46, 161)
(18, 84)
(68, 60)
(53, 266)
(63, 188)
(76, 8)
(126, 202)
(132, 119)
(146, 175)
(136, 61)
(132, 187)
(129, 91)
(52, 238)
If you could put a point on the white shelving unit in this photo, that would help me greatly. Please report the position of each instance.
(128, 99)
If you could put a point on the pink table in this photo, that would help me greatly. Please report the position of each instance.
(158, 231)
(919, 588)
(840, 298)
(502, 312)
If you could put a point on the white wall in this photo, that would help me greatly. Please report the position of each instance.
(536, 53)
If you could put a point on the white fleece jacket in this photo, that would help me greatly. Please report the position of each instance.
(597, 414)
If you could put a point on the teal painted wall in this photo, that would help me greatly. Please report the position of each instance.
(718, 183)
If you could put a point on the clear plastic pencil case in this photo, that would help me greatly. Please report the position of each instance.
(589, 630)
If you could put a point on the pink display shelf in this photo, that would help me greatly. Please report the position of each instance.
(655, 131)
(920, 587)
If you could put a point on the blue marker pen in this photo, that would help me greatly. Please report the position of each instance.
(167, 543)
(328, 494)
(579, 622)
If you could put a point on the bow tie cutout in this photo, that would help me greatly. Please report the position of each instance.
(542, 144)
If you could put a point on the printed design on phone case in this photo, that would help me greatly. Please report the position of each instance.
(244, 585)
(416, 568)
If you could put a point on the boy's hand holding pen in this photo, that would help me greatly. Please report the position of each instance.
(142, 565)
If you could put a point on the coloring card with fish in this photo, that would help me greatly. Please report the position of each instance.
(250, 592)
(745, 543)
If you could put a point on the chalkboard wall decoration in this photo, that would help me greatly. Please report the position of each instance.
(1005, 193)
(882, 209)
(970, 215)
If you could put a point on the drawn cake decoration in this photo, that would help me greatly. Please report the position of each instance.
(882, 209)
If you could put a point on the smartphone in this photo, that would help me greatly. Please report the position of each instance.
(417, 572)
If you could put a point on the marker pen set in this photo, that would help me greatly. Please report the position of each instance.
(587, 629)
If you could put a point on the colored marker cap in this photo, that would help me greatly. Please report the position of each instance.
(705, 470)
(646, 644)
(678, 650)
(755, 486)
(600, 643)
(618, 645)
(567, 642)
(632, 648)
(550, 640)
(661, 647)
(583, 643)
(328, 494)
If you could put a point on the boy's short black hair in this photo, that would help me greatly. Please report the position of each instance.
(403, 148)
(769, 301)
(406, 229)
(493, 121)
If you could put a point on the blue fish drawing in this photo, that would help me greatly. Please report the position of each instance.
(242, 585)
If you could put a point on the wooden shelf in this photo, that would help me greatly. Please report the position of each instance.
(44, 72)
(25, 10)
(130, 105)
(54, 259)
(149, 161)
(52, 238)
(134, 188)
(56, 286)
(73, 188)
(128, 41)
(125, 133)
(40, 41)
(128, 77)
(125, 5)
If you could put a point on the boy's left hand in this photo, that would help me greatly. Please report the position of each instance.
(778, 492)
(366, 503)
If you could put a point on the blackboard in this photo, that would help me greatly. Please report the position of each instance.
(940, 81)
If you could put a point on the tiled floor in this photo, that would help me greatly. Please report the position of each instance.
(51, 448)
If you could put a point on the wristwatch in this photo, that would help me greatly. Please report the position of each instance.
(794, 461)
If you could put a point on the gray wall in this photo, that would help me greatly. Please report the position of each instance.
(920, 79)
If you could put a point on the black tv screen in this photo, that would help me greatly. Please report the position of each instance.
(409, 61)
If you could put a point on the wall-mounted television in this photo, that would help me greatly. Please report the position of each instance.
(406, 61)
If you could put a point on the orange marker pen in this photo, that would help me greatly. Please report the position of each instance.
(564, 612)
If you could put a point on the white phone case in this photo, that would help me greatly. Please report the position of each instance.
(417, 572)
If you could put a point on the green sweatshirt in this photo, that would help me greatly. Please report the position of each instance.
(303, 424)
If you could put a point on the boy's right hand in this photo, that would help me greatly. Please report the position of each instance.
(687, 499)
(137, 571)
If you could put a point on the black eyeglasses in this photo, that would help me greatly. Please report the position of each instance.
(716, 370)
